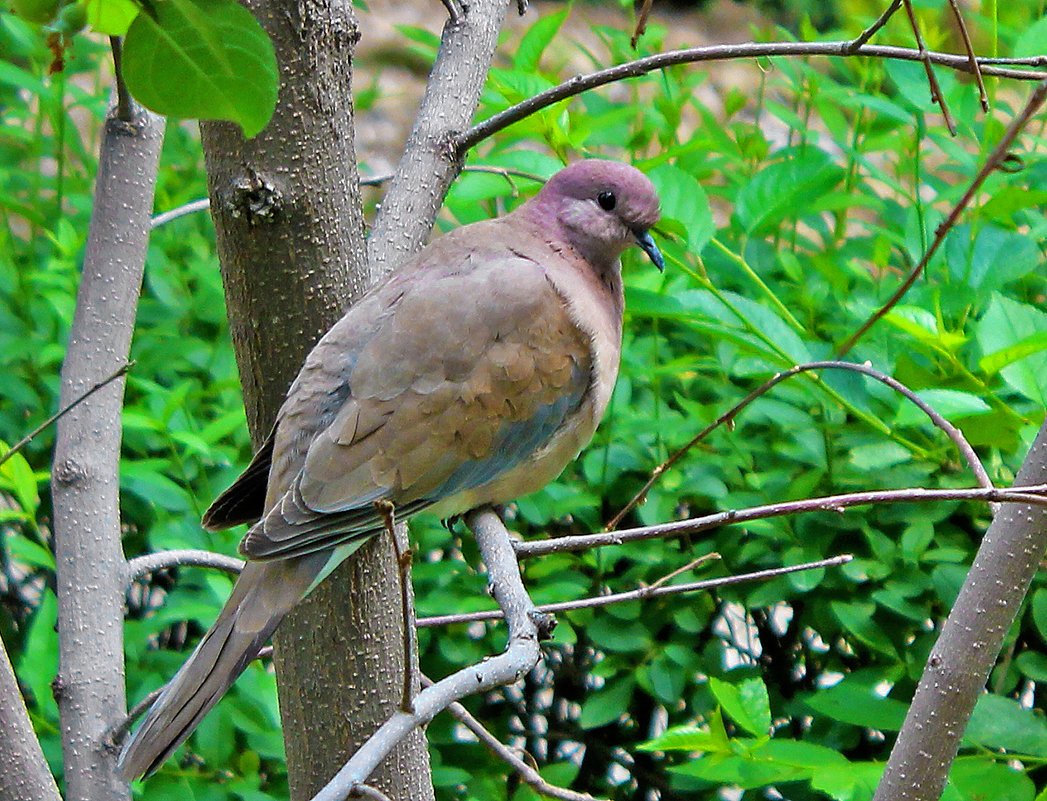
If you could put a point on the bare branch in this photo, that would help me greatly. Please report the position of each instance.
(366, 790)
(976, 69)
(643, 592)
(398, 537)
(190, 557)
(116, 734)
(24, 773)
(64, 410)
(932, 79)
(832, 503)
(960, 662)
(855, 44)
(968, 453)
(526, 625)
(193, 206)
(991, 163)
(633, 69)
(526, 772)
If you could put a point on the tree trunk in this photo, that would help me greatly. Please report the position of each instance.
(290, 238)
(89, 561)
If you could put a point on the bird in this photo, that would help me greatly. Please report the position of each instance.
(471, 376)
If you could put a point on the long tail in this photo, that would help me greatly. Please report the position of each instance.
(263, 594)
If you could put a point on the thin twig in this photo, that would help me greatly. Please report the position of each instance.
(633, 69)
(189, 557)
(833, 503)
(193, 206)
(708, 557)
(641, 22)
(505, 172)
(856, 43)
(932, 79)
(968, 453)
(526, 772)
(57, 415)
(454, 10)
(994, 160)
(367, 791)
(387, 510)
(641, 593)
(983, 96)
(116, 734)
(125, 107)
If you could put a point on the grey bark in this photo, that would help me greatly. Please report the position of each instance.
(290, 231)
(969, 644)
(432, 158)
(24, 774)
(89, 560)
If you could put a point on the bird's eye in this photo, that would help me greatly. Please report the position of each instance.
(607, 201)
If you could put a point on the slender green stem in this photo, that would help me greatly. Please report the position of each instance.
(738, 259)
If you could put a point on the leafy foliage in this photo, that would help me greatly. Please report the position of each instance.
(795, 201)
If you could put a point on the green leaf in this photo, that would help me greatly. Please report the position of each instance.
(17, 474)
(536, 40)
(1033, 664)
(607, 704)
(1032, 41)
(854, 782)
(994, 362)
(949, 403)
(1039, 611)
(1005, 324)
(683, 201)
(784, 189)
(111, 17)
(859, 704)
(206, 59)
(689, 738)
(746, 703)
(994, 257)
(999, 722)
(981, 779)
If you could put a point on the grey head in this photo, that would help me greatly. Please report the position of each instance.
(600, 208)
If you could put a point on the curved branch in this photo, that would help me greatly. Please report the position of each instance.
(950, 430)
(526, 627)
(161, 560)
(633, 69)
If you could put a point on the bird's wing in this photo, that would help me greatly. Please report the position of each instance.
(473, 373)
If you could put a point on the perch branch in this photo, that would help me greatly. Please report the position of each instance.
(526, 772)
(203, 204)
(526, 626)
(855, 44)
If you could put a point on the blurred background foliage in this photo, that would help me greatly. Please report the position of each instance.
(796, 196)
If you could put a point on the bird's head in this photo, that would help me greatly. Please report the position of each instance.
(602, 207)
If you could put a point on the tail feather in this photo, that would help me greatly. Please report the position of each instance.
(262, 596)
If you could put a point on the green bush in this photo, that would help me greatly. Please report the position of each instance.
(790, 216)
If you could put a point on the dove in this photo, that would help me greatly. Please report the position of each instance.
(469, 377)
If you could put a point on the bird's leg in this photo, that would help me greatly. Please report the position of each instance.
(403, 553)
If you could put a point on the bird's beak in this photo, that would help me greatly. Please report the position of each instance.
(644, 240)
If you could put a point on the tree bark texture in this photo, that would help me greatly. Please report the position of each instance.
(970, 642)
(290, 235)
(24, 773)
(89, 560)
